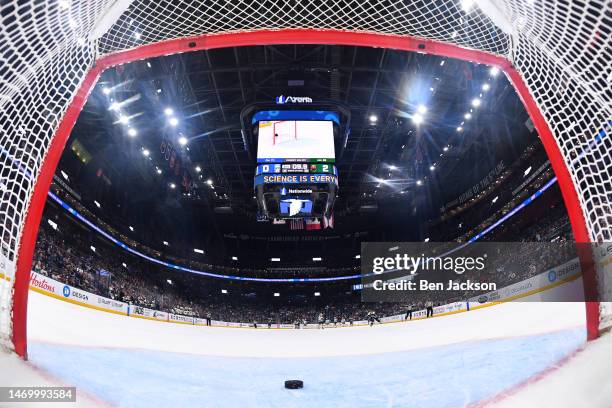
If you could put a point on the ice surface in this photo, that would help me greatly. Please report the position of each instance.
(484, 356)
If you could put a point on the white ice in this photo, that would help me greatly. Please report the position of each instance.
(480, 357)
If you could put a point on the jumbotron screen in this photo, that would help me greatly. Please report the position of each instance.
(310, 141)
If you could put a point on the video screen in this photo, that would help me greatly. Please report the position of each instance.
(309, 141)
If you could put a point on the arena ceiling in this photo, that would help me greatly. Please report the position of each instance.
(411, 146)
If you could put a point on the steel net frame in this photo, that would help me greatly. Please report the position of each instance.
(556, 53)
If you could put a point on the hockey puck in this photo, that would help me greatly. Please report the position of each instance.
(294, 384)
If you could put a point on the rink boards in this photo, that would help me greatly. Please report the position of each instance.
(536, 285)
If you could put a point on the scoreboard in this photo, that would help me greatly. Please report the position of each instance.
(296, 168)
(295, 176)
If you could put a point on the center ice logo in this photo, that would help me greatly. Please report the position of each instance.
(67, 291)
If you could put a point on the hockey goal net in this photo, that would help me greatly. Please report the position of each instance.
(284, 130)
(555, 52)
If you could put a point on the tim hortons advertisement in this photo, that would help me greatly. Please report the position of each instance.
(58, 289)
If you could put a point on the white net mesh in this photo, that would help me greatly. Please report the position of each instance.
(561, 48)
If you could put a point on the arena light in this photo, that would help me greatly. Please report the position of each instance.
(317, 259)
(486, 87)
(209, 182)
(417, 118)
(149, 64)
(93, 248)
(432, 168)
(166, 243)
(392, 167)
(106, 90)
(422, 109)
(357, 256)
(373, 118)
(169, 281)
(52, 224)
(114, 106)
(426, 240)
(198, 251)
(182, 140)
(495, 199)
(527, 171)
(132, 132)
(276, 294)
(476, 102)
(317, 293)
(159, 171)
(64, 175)
(158, 90)
(146, 152)
(224, 291)
(442, 63)
(468, 116)
(198, 169)
(124, 264)
(445, 148)
(131, 228)
(97, 204)
(459, 129)
(234, 258)
(275, 259)
(419, 182)
(64, 4)
(494, 71)
(172, 186)
(168, 112)
(137, 35)
(173, 121)
(124, 119)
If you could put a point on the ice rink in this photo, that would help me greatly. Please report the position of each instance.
(491, 356)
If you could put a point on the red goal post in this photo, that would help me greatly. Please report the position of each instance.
(554, 56)
(276, 129)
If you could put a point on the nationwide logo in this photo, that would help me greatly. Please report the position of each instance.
(302, 191)
(552, 276)
(280, 100)
(66, 291)
(41, 284)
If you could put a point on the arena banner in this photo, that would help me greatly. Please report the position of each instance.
(60, 290)
(199, 321)
(604, 278)
(564, 273)
(448, 308)
(7, 268)
(447, 272)
(176, 318)
(145, 313)
(394, 318)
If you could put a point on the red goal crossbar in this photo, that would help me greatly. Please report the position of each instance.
(277, 37)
